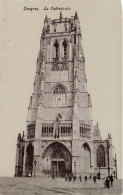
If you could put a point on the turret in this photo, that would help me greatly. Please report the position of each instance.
(109, 139)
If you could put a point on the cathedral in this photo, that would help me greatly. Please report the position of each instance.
(61, 137)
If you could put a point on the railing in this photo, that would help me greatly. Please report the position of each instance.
(47, 130)
(63, 130)
(85, 130)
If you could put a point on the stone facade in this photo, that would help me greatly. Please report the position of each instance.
(61, 136)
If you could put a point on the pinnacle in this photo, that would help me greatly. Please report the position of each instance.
(60, 15)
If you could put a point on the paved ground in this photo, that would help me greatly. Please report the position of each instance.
(38, 186)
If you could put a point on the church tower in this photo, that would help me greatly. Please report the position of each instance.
(61, 137)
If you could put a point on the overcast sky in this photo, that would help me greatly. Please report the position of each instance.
(100, 22)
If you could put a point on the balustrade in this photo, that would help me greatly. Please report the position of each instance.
(47, 130)
(64, 130)
(85, 130)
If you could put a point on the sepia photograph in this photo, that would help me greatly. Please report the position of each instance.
(60, 97)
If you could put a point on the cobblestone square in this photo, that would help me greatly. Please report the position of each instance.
(38, 186)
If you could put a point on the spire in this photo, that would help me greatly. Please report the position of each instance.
(109, 136)
(96, 132)
(76, 15)
(46, 19)
(60, 15)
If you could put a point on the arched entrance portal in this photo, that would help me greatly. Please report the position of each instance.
(29, 159)
(57, 160)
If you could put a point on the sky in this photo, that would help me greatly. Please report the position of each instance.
(19, 45)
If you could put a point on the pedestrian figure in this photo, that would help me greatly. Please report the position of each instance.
(90, 177)
(85, 178)
(66, 177)
(94, 179)
(74, 178)
(111, 180)
(80, 178)
(70, 177)
(53, 177)
(107, 182)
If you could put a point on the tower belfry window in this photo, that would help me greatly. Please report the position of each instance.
(59, 73)
(65, 48)
(59, 96)
(56, 45)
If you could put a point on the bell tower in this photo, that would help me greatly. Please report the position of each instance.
(60, 89)
(61, 137)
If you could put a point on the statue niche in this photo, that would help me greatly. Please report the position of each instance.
(57, 126)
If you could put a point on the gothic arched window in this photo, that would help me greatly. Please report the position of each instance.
(100, 156)
(59, 96)
(59, 74)
(55, 73)
(65, 48)
(64, 72)
(56, 46)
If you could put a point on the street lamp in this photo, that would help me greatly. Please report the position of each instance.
(75, 167)
(108, 146)
(115, 167)
(35, 163)
(47, 168)
(67, 165)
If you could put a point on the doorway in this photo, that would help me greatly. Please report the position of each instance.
(58, 168)
(57, 160)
